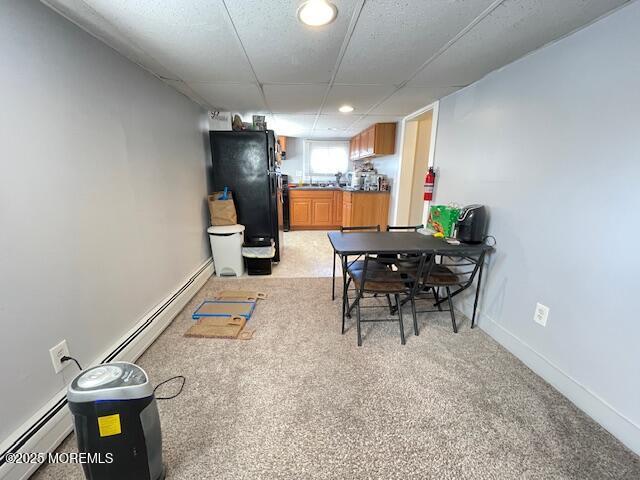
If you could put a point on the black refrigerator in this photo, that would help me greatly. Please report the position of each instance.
(246, 163)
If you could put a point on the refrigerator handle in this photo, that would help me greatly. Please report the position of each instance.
(272, 163)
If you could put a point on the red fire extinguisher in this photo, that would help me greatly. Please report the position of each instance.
(429, 183)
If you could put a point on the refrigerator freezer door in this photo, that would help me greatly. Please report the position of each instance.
(240, 162)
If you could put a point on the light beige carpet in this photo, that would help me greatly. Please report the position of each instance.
(302, 401)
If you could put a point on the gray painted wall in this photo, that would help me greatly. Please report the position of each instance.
(551, 144)
(102, 192)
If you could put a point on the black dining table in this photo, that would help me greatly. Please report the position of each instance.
(346, 244)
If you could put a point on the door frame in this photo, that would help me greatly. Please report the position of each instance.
(404, 175)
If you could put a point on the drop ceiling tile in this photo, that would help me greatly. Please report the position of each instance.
(513, 29)
(283, 50)
(360, 97)
(335, 123)
(393, 39)
(230, 97)
(295, 98)
(294, 125)
(194, 40)
(409, 99)
(368, 120)
(83, 15)
(183, 88)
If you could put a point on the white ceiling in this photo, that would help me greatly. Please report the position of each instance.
(387, 58)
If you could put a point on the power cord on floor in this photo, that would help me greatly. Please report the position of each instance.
(177, 377)
(67, 358)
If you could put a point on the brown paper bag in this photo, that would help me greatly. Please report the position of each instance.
(223, 212)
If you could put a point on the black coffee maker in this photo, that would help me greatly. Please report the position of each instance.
(472, 224)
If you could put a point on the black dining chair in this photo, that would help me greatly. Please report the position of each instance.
(453, 272)
(399, 228)
(371, 281)
(368, 228)
(404, 228)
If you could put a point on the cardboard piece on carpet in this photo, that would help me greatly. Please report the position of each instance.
(224, 308)
(217, 327)
(246, 334)
(244, 295)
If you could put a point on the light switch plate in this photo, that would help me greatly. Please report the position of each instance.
(541, 314)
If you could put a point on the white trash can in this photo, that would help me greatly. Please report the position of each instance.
(226, 246)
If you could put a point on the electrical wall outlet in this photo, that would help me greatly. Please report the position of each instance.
(541, 314)
(57, 352)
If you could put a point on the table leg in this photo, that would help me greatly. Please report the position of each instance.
(475, 301)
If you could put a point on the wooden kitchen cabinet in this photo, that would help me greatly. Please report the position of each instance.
(337, 207)
(330, 209)
(299, 211)
(313, 209)
(361, 209)
(346, 211)
(378, 139)
(283, 143)
(322, 212)
(354, 148)
(367, 141)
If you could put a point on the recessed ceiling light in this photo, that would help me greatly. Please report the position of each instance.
(316, 13)
(346, 109)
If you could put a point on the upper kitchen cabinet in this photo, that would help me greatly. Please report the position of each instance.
(281, 149)
(378, 139)
(354, 147)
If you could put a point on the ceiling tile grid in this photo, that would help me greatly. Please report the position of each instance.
(194, 39)
(360, 97)
(255, 56)
(283, 50)
(409, 99)
(393, 38)
(234, 97)
(286, 98)
(512, 30)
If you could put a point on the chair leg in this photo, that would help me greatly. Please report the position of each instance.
(343, 311)
(435, 294)
(346, 296)
(402, 340)
(333, 285)
(345, 299)
(415, 317)
(390, 304)
(357, 301)
(453, 315)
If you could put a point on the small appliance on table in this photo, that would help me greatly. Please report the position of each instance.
(115, 413)
(471, 224)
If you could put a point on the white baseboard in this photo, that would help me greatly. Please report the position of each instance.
(56, 425)
(620, 426)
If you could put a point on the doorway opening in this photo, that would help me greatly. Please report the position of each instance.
(416, 157)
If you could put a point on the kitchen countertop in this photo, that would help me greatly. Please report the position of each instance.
(341, 189)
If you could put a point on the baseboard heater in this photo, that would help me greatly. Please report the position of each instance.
(49, 414)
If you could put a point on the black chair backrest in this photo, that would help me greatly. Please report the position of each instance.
(404, 228)
(368, 228)
(463, 267)
(412, 269)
